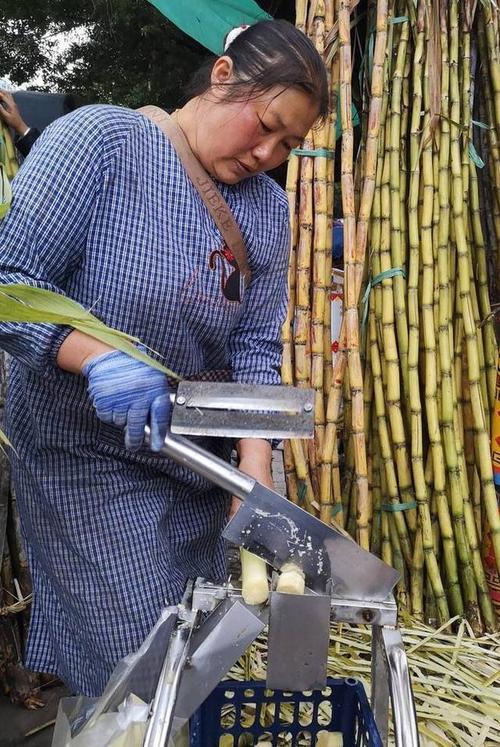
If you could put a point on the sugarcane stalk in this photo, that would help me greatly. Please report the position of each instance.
(493, 161)
(330, 197)
(388, 470)
(290, 475)
(493, 57)
(303, 281)
(376, 535)
(487, 326)
(417, 578)
(301, 15)
(448, 392)
(425, 548)
(304, 486)
(470, 332)
(398, 562)
(321, 247)
(353, 275)
(389, 349)
(396, 243)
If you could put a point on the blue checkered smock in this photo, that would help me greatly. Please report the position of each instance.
(104, 213)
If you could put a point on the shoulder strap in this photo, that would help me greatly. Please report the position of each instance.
(209, 193)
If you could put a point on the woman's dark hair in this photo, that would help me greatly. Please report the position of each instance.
(269, 54)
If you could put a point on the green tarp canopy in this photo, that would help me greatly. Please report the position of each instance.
(208, 21)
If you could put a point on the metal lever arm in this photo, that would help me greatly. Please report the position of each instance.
(188, 454)
(161, 720)
(403, 705)
(169, 681)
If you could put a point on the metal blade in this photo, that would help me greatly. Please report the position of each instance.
(297, 653)
(215, 646)
(243, 410)
(279, 531)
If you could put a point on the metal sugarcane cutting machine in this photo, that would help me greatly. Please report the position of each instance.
(213, 626)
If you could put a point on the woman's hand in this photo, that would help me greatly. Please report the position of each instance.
(255, 460)
(124, 391)
(127, 392)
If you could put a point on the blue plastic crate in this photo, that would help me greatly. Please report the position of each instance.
(341, 706)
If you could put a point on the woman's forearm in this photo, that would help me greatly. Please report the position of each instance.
(255, 458)
(77, 349)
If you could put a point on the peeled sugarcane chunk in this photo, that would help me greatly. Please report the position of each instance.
(291, 580)
(254, 583)
(330, 739)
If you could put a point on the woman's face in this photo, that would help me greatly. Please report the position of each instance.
(235, 140)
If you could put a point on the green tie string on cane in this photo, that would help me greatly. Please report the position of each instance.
(393, 507)
(316, 153)
(390, 273)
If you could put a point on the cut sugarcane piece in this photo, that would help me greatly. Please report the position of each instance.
(291, 580)
(330, 739)
(254, 582)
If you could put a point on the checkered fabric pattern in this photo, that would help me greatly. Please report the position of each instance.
(104, 213)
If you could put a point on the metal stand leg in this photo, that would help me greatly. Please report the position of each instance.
(380, 684)
(167, 689)
(403, 706)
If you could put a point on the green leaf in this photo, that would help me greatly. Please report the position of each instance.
(481, 124)
(28, 304)
(474, 156)
(4, 441)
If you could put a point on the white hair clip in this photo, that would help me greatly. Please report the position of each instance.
(231, 36)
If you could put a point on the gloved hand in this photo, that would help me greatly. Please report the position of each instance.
(129, 393)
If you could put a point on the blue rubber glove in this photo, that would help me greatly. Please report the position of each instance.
(129, 393)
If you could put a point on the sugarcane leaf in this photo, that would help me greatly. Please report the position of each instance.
(474, 156)
(42, 300)
(117, 339)
(453, 122)
(4, 441)
(29, 304)
(483, 125)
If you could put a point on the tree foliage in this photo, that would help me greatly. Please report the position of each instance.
(122, 51)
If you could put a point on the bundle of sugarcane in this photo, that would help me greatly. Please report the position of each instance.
(307, 358)
(312, 469)
(429, 341)
(421, 346)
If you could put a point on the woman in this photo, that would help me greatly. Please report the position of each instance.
(104, 213)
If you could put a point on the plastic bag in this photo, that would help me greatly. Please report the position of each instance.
(119, 717)
(123, 728)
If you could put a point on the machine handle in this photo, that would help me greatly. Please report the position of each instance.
(190, 455)
(403, 705)
(160, 723)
